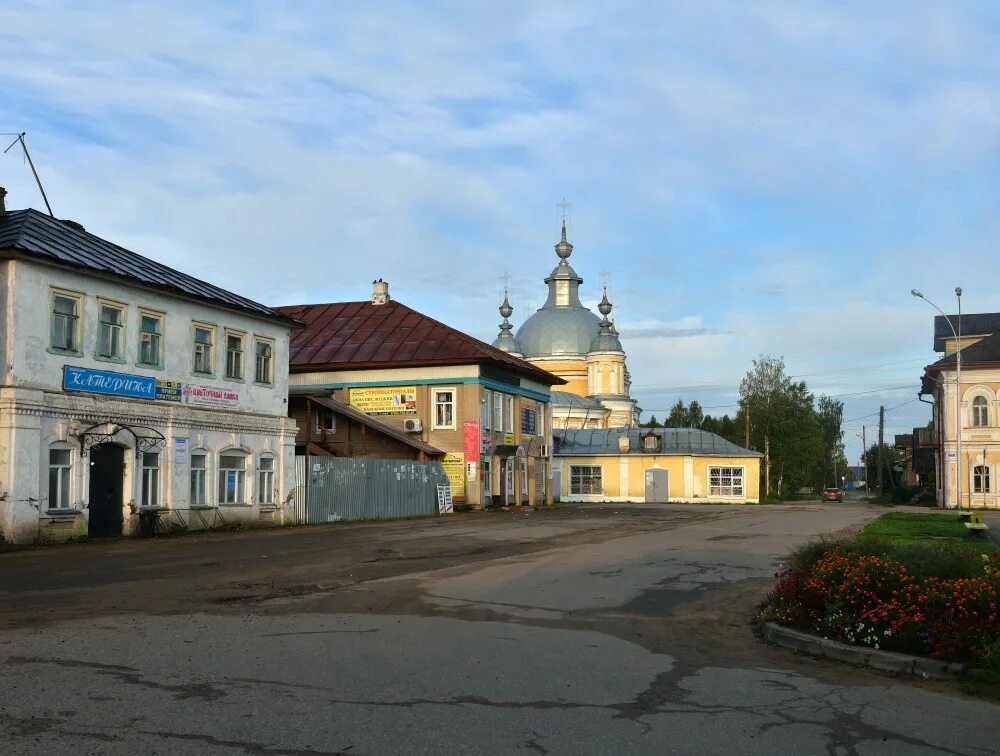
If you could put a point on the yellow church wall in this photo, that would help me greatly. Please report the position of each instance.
(572, 371)
(623, 477)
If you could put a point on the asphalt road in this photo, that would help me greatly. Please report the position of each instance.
(585, 630)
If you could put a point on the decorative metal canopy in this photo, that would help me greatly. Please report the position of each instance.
(144, 437)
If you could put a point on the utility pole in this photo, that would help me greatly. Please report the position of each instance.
(881, 446)
(864, 458)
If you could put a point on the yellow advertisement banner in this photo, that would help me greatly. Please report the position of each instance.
(385, 400)
(454, 468)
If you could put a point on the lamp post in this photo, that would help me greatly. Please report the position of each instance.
(958, 384)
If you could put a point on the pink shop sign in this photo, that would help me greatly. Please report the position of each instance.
(209, 396)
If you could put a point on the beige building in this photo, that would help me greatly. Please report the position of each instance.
(486, 410)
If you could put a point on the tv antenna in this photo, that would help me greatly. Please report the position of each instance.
(20, 138)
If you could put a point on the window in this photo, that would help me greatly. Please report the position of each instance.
(326, 421)
(488, 476)
(109, 334)
(650, 442)
(198, 470)
(980, 412)
(262, 361)
(725, 481)
(508, 414)
(204, 349)
(981, 479)
(485, 409)
(65, 334)
(265, 480)
(497, 411)
(234, 356)
(444, 408)
(59, 467)
(150, 479)
(585, 480)
(524, 477)
(150, 339)
(232, 478)
(540, 419)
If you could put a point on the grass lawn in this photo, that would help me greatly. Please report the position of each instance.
(917, 527)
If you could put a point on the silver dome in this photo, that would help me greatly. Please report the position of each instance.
(558, 331)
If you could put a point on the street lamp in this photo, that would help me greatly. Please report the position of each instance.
(958, 383)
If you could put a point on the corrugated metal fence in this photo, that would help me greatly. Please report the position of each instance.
(345, 488)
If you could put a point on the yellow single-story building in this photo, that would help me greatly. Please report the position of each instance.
(653, 466)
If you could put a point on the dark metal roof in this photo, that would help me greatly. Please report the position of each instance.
(575, 401)
(973, 324)
(42, 237)
(352, 335)
(347, 410)
(985, 352)
(673, 441)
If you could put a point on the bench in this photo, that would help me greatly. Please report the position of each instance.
(975, 525)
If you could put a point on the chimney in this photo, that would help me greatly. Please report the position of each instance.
(380, 292)
(3, 206)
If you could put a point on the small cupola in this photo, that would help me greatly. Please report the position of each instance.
(380, 292)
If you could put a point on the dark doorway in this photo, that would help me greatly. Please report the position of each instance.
(107, 473)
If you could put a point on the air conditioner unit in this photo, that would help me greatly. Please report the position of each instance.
(412, 425)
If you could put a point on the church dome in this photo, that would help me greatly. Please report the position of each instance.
(558, 331)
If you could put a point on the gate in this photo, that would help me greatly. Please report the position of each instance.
(656, 486)
(353, 488)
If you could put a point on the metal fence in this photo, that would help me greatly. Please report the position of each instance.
(345, 488)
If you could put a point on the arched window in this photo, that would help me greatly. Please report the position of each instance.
(265, 480)
(60, 464)
(199, 471)
(232, 477)
(980, 412)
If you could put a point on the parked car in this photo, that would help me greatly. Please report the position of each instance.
(833, 494)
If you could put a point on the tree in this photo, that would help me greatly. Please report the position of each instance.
(830, 413)
(651, 423)
(677, 417)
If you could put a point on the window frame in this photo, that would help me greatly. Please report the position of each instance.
(579, 472)
(508, 413)
(265, 481)
(732, 486)
(77, 297)
(232, 333)
(203, 501)
(269, 343)
(161, 320)
(240, 484)
(321, 415)
(486, 404)
(64, 479)
(149, 495)
(453, 403)
(122, 310)
(980, 408)
(981, 477)
(498, 411)
(199, 325)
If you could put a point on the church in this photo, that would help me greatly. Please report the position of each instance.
(567, 339)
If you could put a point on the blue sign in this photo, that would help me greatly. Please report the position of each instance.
(107, 382)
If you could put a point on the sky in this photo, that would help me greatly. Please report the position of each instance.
(755, 178)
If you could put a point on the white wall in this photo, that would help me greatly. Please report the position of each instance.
(31, 364)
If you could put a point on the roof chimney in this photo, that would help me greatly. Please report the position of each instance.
(3, 207)
(380, 292)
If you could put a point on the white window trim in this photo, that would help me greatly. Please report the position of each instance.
(78, 330)
(242, 336)
(487, 402)
(221, 473)
(214, 330)
(988, 481)
(454, 407)
(122, 308)
(273, 476)
(143, 490)
(206, 477)
(317, 421)
(743, 479)
(585, 496)
(497, 411)
(508, 413)
(986, 406)
(68, 491)
(145, 312)
(257, 339)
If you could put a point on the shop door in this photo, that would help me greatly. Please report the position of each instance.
(107, 475)
(656, 486)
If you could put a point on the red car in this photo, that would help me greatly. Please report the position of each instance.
(833, 494)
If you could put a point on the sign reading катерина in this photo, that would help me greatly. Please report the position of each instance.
(108, 382)
(385, 400)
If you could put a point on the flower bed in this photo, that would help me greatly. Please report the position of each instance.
(884, 593)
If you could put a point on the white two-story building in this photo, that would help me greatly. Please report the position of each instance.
(133, 398)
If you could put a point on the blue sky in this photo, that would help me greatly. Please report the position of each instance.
(770, 177)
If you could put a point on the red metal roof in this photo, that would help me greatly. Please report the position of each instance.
(352, 335)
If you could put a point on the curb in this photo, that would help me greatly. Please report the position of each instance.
(861, 656)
